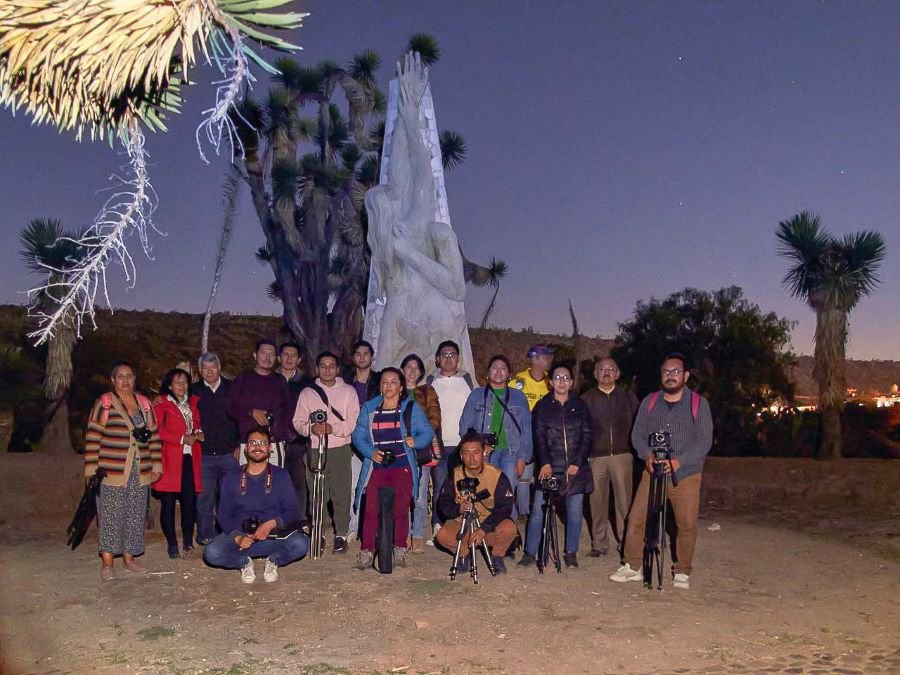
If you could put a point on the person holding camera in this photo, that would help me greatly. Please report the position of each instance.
(181, 434)
(326, 412)
(122, 440)
(259, 516)
(484, 488)
(390, 429)
(500, 413)
(562, 444)
(680, 417)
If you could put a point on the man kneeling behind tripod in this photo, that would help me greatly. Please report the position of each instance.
(494, 509)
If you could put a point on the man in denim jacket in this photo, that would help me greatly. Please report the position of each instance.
(500, 413)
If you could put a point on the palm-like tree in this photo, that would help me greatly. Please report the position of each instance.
(308, 168)
(831, 275)
(47, 247)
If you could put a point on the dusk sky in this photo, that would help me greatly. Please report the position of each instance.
(617, 151)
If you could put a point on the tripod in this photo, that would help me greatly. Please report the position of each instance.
(655, 529)
(317, 498)
(470, 524)
(549, 546)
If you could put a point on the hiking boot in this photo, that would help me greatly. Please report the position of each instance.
(399, 556)
(682, 581)
(499, 565)
(364, 560)
(339, 546)
(570, 559)
(596, 553)
(526, 561)
(625, 573)
(271, 573)
(173, 552)
(248, 574)
(106, 573)
(418, 545)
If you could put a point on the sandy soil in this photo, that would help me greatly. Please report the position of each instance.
(807, 584)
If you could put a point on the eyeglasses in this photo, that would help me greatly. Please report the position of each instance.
(257, 443)
(672, 371)
(562, 378)
(606, 369)
(449, 355)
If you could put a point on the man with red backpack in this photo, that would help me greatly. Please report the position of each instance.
(685, 416)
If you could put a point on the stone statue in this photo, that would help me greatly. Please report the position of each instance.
(416, 288)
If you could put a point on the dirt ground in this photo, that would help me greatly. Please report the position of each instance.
(801, 575)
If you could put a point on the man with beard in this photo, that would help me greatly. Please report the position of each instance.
(290, 368)
(685, 415)
(258, 513)
(259, 397)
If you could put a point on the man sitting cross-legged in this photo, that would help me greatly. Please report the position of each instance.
(494, 510)
(258, 514)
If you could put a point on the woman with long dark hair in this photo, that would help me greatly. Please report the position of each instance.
(122, 440)
(562, 444)
(389, 430)
(181, 434)
(424, 394)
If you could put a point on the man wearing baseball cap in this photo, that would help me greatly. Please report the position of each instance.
(534, 382)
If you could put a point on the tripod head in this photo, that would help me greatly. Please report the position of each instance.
(660, 443)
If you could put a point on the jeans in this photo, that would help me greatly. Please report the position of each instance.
(212, 468)
(355, 469)
(505, 460)
(440, 472)
(523, 490)
(224, 552)
(574, 515)
(421, 509)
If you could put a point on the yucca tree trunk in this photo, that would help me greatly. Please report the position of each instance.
(831, 340)
(57, 379)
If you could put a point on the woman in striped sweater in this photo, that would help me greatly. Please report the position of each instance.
(123, 441)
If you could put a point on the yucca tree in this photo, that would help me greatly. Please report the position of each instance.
(308, 168)
(46, 245)
(832, 275)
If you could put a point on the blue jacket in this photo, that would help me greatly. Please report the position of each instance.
(477, 415)
(421, 432)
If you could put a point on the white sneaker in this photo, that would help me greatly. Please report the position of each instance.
(248, 574)
(351, 536)
(625, 573)
(429, 542)
(682, 581)
(435, 530)
(271, 573)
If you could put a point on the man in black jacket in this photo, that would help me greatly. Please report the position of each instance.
(612, 409)
(494, 510)
(221, 441)
(289, 367)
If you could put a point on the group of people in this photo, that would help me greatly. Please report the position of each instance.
(241, 457)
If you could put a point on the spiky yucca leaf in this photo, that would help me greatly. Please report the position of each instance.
(426, 46)
(97, 65)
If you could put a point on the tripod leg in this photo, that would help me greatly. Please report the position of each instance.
(454, 566)
(664, 507)
(486, 551)
(544, 546)
(554, 538)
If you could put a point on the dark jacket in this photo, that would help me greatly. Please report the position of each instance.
(492, 510)
(611, 416)
(373, 384)
(219, 430)
(263, 392)
(279, 503)
(298, 382)
(562, 437)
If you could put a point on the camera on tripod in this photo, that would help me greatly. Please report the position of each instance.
(552, 483)
(660, 440)
(318, 417)
(467, 486)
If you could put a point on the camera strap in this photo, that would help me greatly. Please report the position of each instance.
(315, 386)
(503, 404)
(244, 479)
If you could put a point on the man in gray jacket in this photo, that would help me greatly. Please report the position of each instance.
(686, 416)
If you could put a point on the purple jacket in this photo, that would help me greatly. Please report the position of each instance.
(265, 392)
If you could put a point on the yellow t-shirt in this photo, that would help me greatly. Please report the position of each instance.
(533, 389)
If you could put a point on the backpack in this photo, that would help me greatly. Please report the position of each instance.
(695, 403)
(465, 376)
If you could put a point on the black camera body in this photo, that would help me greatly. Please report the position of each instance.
(388, 457)
(467, 485)
(490, 439)
(142, 434)
(660, 440)
(552, 483)
(318, 417)
(251, 524)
